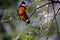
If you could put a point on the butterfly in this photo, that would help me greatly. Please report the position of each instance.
(22, 12)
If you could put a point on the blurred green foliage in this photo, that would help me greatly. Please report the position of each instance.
(7, 3)
(25, 36)
(34, 34)
(52, 29)
(2, 30)
(1, 15)
(32, 6)
(7, 38)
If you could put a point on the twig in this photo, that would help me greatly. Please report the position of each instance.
(42, 6)
(51, 20)
(56, 21)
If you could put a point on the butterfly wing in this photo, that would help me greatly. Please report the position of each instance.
(22, 13)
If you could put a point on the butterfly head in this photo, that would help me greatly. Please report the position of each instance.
(27, 21)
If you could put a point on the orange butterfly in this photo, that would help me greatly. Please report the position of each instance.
(22, 13)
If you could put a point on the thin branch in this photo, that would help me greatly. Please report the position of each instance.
(42, 6)
(51, 20)
(55, 21)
